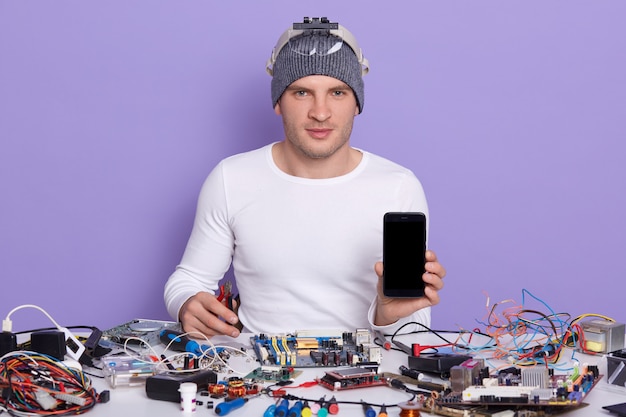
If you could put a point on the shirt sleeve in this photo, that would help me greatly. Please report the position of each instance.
(209, 251)
(420, 320)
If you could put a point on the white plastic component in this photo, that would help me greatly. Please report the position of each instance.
(73, 364)
(7, 325)
(70, 398)
(474, 392)
(75, 349)
(490, 382)
(45, 400)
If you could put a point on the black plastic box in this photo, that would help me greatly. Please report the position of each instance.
(437, 363)
(165, 386)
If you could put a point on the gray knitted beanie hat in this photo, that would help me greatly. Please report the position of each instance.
(291, 65)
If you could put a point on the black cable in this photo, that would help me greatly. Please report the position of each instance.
(292, 397)
(438, 333)
(43, 329)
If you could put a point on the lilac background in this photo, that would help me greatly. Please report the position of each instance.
(113, 112)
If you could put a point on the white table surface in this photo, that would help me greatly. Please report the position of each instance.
(133, 401)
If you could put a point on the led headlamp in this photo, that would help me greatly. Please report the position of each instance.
(336, 36)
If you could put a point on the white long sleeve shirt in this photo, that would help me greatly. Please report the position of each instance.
(303, 250)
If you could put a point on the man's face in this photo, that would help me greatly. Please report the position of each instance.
(318, 113)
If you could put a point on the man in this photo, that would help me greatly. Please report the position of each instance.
(301, 219)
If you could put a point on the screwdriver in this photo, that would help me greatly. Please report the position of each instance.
(368, 410)
(271, 411)
(176, 341)
(227, 406)
(282, 409)
(317, 406)
(333, 407)
(296, 410)
(306, 410)
(323, 411)
(179, 343)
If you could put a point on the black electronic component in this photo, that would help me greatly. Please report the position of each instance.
(165, 386)
(437, 363)
(104, 396)
(92, 341)
(619, 409)
(49, 342)
(8, 343)
(616, 368)
(92, 348)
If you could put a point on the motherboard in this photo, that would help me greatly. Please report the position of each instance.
(317, 348)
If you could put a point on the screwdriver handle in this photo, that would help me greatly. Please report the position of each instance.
(227, 406)
(175, 341)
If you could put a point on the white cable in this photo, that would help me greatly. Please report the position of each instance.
(75, 349)
(210, 353)
(9, 323)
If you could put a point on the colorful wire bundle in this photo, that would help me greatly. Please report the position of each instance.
(516, 334)
(529, 336)
(34, 384)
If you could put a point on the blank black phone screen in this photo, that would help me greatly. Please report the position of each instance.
(404, 247)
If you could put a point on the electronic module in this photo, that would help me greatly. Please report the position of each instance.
(305, 349)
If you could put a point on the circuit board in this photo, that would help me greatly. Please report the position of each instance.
(138, 330)
(350, 378)
(529, 391)
(265, 374)
(307, 349)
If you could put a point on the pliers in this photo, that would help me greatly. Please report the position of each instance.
(226, 294)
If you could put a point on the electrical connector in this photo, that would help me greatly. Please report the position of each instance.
(7, 325)
(70, 399)
(74, 348)
(94, 338)
(45, 400)
(104, 396)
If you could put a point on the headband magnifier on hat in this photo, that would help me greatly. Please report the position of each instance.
(336, 35)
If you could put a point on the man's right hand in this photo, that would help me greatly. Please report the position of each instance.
(204, 313)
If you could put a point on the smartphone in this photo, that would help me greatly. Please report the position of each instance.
(404, 254)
